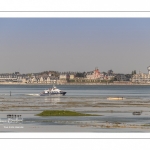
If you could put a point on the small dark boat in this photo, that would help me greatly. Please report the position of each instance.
(137, 113)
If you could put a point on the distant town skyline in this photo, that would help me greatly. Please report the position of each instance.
(30, 45)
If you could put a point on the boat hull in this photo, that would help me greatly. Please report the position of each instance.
(48, 94)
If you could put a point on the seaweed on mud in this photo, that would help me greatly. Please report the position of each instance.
(62, 113)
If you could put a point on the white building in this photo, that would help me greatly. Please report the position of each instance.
(72, 76)
(141, 77)
(64, 76)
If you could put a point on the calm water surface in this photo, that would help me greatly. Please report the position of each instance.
(130, 91)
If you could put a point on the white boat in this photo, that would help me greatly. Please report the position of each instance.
(52, 91)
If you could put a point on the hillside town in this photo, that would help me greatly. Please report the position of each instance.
(91, 77)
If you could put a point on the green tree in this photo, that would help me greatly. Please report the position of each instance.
(80, 74)
(134, 71)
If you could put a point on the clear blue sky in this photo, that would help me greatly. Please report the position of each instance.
(79, 44)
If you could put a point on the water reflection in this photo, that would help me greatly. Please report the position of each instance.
(52, 100)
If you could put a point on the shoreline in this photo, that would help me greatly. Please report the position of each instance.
(105, 84)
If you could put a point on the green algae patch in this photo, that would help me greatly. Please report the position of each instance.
(62, 113)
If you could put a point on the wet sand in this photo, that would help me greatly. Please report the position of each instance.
(114, 116)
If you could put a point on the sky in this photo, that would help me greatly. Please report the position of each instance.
(31, 45)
